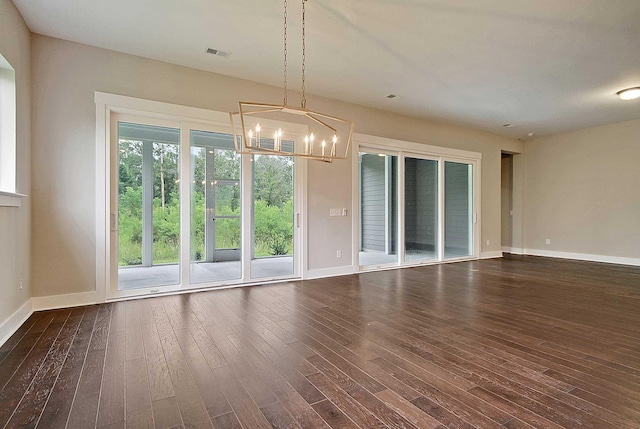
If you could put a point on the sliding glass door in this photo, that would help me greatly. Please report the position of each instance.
(273, 216)
(146, 168)
(215, 173)
(414, 209)
(378, 209)
(458, 210)
(421, 209)
(182, 197)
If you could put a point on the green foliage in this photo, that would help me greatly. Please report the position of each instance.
(273, 203)
(273, 178)
(273, 228)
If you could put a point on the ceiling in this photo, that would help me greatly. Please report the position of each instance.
(545, 66)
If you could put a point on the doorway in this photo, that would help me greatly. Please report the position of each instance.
(507, 202)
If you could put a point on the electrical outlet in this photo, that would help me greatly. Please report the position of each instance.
(344, 212)
(548, 241)
(488, 243)
(338, 253)
(21, 284)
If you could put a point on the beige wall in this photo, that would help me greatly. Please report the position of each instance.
(65, 76)
(15, 222)
(582, 191)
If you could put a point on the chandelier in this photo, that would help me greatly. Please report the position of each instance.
(284, 130)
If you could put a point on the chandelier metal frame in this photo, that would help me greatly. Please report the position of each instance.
(331, 127)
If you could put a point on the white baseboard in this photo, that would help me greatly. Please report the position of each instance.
(491, 255)
(9, 326)
(584, 257)
(515, 250)
(63, 301)
(329, 272)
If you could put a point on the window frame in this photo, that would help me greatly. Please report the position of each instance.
(9, 197)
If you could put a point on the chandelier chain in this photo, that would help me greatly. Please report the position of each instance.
(304, 56)
(285, 52)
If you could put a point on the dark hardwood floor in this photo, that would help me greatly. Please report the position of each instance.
(517, 342)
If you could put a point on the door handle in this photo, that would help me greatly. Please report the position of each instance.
(298, 220)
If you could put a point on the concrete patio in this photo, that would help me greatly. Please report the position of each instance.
(135, 277)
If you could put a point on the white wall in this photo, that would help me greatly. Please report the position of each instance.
(15, 221)
(65, 76)
(582, 191)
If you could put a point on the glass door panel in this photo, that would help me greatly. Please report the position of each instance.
(458, 210)
(378, 209)
(215, 245)
(148, 229)
(421, 209)
(273, 216)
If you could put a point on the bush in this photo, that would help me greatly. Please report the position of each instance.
(273, 228)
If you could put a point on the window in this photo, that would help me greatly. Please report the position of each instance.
(7, 127)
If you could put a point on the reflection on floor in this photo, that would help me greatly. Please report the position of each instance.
(376, 258)
(368, 258)
(419, 255)
(165, 275)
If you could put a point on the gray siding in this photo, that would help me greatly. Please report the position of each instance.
(421, 199)
(456, 207)
(372, 203)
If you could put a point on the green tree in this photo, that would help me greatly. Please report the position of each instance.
(273, 198)
(273, 179)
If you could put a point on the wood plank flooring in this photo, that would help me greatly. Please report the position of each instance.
(518, 342)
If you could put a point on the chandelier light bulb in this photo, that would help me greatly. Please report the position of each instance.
(258, 135)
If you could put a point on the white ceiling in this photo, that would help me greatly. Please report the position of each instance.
(544, 66)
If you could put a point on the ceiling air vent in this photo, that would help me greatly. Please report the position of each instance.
(218, 53)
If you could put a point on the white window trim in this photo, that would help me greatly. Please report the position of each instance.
(8, 135)
(110, 104)
(11, 199)
(106, 105)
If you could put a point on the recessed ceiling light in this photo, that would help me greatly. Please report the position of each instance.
(507, 125)
(629, 93)
(392, 96)
(531, 134)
